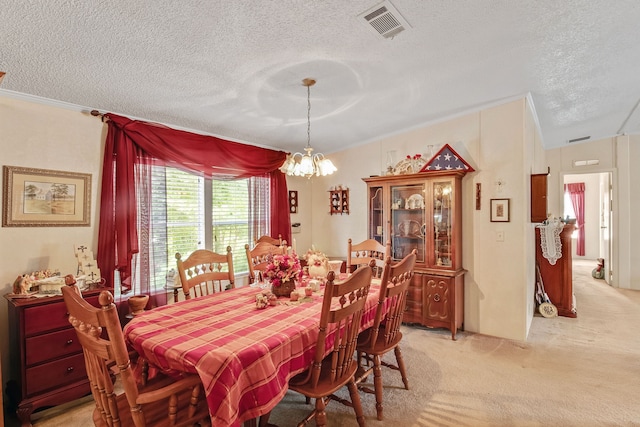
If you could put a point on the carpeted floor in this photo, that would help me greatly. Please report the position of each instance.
(570, 372)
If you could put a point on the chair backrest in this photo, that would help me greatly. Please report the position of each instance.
(205, 272)
(392, 302)
(101, 350)
(361, 254)
(272, 240)
(259, 257)
(342, 309)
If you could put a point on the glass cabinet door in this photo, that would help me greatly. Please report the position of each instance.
(376, 215)
(408, 225)
(442, 237)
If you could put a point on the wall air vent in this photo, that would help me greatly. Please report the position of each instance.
(385, 20)
(577, 163)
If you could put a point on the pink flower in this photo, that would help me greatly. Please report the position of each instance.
(283, 268)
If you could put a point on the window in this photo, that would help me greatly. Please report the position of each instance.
(568, 206)
(189, 212)
(569, 212)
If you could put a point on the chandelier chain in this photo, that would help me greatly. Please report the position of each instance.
(308, 116)
(308, 164)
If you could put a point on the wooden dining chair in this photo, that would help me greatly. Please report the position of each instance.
(205, 272)
(259, 257)
(272, 240)
(361, 254)
(341, 314)
(161, 401)
(385, 334)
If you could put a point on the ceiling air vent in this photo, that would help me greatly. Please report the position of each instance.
(385, 20)
(584, 138)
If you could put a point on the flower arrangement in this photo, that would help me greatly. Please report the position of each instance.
(283, 268)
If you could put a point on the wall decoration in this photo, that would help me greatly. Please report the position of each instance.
(500, 210)
(88, 271)
(339, 200)
(45, 198)
(410, 164)
(446, 159)
(293, 201)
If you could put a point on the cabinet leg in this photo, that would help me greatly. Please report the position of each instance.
(24, 415)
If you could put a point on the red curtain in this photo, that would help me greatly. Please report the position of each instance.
(576, 192)
(131, 143)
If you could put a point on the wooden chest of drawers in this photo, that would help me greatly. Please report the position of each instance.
(47, 364)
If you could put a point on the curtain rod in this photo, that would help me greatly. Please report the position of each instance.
(97, 113)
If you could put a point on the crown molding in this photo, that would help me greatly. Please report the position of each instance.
(44, 101)
(86, 110)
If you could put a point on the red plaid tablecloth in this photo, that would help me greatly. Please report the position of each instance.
(244, 356)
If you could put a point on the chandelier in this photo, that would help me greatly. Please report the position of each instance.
(308, 164)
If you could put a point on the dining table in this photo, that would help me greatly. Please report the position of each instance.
(244, 355)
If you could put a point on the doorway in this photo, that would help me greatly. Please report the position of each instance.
(598, 217)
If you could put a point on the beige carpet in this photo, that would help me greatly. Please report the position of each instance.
(571, 372)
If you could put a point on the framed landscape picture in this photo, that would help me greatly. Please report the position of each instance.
(499, 210)
(45, 198)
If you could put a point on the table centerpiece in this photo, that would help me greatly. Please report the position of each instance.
(317, 263)
(282, 272)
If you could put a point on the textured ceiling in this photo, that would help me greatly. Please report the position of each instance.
(234, 68)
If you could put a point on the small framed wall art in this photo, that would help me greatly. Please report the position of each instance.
(45, 198)
(500, 210)
(293, 201)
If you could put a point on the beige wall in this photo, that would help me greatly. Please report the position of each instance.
(502, 269)
(627, 206)
(535, 161)
(500, 274)
(39, 136)
(503, 144)
(620, 156)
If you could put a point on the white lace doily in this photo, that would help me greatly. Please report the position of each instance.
(550, 241)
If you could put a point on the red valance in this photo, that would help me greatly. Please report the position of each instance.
(577, 187)
(130, 142)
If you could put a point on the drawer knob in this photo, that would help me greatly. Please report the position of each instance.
(70, 369)
(436, 297)
(69, 342)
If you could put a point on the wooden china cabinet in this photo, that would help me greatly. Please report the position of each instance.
(422, 211)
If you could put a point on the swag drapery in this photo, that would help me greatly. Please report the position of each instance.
(576, 192)
(131, 145)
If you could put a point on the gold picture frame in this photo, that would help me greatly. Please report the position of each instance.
(45, 198)
(500, 210)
